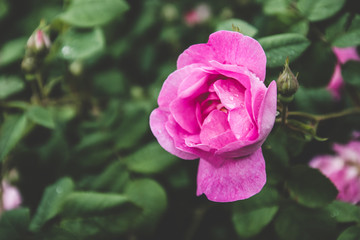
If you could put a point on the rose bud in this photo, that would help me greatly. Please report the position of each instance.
(287, 83)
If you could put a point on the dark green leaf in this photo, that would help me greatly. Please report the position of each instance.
(11, 132)
(294, 222)
(90, 13)
(10, 85)
(250, 216)
(314, 100)
(278, 47)
(151, 197)
(244, 27)
(78, 204)
(150, 159)
(12, 51)
(41, 116)
(302, 188)
(351, 37)
(110, 83)
(344, 212)
(14, 224)
(78, 44)
(320, 9)
(51, 202)
(351, 73)
(351, 233)
(273, 7)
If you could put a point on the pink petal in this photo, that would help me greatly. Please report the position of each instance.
(194, 85)
(216, 131)
(346, 54)
(240, 123)
(184, 113)
(227, 47)
(171, 85)
(230, 92)
(158, 118)
(11, 197)
(233, 180)
(336, 83)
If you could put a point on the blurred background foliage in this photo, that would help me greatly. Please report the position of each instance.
(75, 140)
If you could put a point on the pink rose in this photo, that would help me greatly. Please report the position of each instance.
(343, 170)
(198, 15)
(216, 107)
(343, 55)
(10, 196)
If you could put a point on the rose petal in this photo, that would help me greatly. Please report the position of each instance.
(216, 131)
(158, 118)
(336, 82)
(233, 180)
(346, 54)
(240, 122)
(183, 111)
(230, 48)
(230, 92)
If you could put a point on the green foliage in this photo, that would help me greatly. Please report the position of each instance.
(244, 27)
(279, 47)
(12, 51)
(90, 13)
(344, 212)
(350, 72)
(351, 233)
(41, 116)
(349, 37)
(319, 10)
(14, 223)
(10, 86)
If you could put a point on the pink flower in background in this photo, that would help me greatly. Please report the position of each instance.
(11, 197)
(343, 170)
(343, 55)
(198, 15)
(216, 107)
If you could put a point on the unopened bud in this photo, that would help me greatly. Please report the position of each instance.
(38, 41)
(287, 83)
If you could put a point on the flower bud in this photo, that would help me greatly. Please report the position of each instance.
(287, 83)
(38, 41)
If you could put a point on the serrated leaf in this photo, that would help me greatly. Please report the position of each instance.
(351, 73)
(299, 223)
(250, 216)
(320, 9)
(278, 47)
(150, 159)
(303, 190)
(344, 212)
(11, 132)
(12, 51)
(76, 44)
(151, 197)
(41, 116)
(14, 224)
(244, 27)
(351, 233)
(10, 85)
(51, 202)
(90, 13)
(78, 204)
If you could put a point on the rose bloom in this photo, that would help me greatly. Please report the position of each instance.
(343, 170)
(343, 55)
(216, 107)
(11, 197)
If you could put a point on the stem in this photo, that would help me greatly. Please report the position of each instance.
(284, 113)
(326, 116)
(40, 85)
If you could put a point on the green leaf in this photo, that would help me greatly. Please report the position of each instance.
(41, 116)
(78, 204)
(320, 9)
(273, 7)
(76, 44)
(111, 83)
(350, 37)
(302, 188)
(51, 202)
(14, 224)
(344, 212)
(90, 13)
(245, 28)
(151, 197)
(351, 73)
(278, 47)
(351, 233)
(11, 132)
(10, 85)
(299, 223)
(12, 51)
(314, 100)
(150, 159)
(250, 216)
